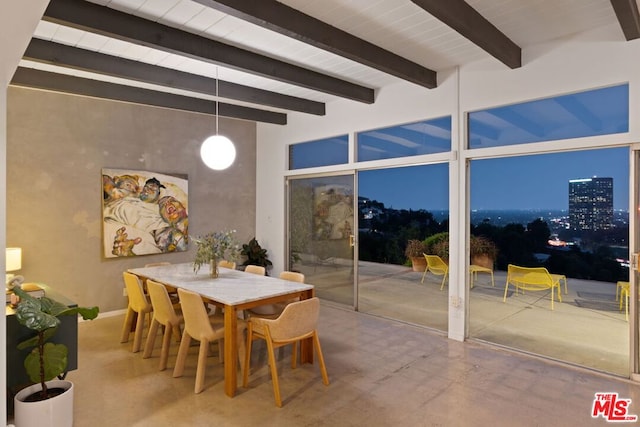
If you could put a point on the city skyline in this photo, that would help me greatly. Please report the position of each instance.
(512, 183)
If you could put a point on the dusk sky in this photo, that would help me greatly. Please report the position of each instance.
(525, 182)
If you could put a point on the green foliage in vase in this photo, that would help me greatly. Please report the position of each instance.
(217, 246)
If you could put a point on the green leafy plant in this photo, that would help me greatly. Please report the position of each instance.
(47, 360)
(216, 246)
(255, 254)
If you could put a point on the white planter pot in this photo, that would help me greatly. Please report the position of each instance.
(54, 412)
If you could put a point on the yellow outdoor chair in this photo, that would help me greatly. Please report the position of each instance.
(475, 269)
(298, 321)
(624, 289)
(532, 279)
(437, 266)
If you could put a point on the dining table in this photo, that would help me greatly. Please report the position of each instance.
(233, 291)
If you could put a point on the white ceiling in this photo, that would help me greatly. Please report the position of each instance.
(398, 26)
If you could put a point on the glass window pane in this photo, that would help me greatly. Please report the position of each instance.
(412, 139)
(323, 152)
(590, 113)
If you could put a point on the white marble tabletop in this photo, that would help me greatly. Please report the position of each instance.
(231, 287)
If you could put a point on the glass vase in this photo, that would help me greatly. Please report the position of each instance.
(213, 268)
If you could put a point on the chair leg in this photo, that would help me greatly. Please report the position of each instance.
(137, 336)
(444, 279)
(274, 370)
(151, 339)
(202, 365)
(424, 274)
(323, 368)
(126, 328)
(182, 355)
(166, 342)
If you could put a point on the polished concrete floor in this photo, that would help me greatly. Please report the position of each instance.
(382, 373)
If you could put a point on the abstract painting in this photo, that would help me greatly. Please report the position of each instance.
(143, 213)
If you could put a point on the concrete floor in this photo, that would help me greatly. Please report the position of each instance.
(382, 373)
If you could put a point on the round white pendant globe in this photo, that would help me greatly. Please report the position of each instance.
(218, 152)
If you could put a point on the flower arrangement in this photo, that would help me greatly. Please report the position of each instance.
(213, 247)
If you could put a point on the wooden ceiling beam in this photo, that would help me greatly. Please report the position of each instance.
(460, 16)
(122, 26)
(628, 17)
(37, 79)
(290, 22)
(71, 57)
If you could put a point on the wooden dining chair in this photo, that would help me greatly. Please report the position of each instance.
(272, 311)
(227, 264)
(138, 306)
(198, 325)
(255, 269)
(164, 314)
(298, 321)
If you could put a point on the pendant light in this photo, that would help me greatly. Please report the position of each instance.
(217, 151)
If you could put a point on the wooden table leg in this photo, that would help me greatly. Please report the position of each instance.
(230, 350)
(306, 345)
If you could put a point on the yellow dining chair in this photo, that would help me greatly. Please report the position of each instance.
(436, 266)
(623, 288)
(298, 321)
(164, 314)
(227, 264)
(255, 269)
(271, 311)
(204, 328)
(138, 306)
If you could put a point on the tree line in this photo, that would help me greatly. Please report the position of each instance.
(383, 237)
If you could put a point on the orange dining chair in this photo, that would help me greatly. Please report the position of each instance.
(164, 314)
(198, 325)
(298, 321)
(138, 306)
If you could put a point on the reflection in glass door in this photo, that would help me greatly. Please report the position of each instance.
(321, 234)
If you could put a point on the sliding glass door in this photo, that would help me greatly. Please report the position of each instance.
(321, 234)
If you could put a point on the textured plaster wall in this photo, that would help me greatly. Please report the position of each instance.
(56, 147)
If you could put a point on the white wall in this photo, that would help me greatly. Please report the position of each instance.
(18, 21)
(599, 58)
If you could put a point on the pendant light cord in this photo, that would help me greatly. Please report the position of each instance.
(217, 94)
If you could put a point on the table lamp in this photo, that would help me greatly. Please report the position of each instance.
(13, 261)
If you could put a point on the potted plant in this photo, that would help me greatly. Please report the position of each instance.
(255, 254)
(482, 251)
(47, 401)
(415, 251)
(438, 244)
(214, 247)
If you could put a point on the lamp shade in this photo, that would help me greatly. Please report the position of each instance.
(218, 152)
(13, 259)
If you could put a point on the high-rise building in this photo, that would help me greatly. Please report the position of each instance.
(591, 204)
